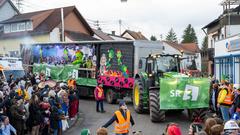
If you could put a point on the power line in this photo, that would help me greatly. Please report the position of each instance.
(18, 4)
(35, 5)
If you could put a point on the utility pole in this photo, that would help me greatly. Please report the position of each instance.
(4, 51)
(98, 25)
(161, 37)
(120, 27)
(62, 21)
(229, 20)
(19, 5)
(123, 1)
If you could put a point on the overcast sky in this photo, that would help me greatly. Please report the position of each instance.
(151, 17)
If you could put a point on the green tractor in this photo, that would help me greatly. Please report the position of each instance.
(160, 87)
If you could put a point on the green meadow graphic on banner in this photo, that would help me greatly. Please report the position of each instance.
(184, 93)
(58, 73)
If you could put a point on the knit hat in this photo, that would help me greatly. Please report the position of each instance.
(173, 130)
(2, 118)
(22, 87)
(85, 132)
(121, 103)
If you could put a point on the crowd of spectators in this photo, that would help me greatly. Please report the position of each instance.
(35, 105)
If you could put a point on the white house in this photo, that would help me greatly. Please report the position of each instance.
(7, 10)
(224, 39)
(225, 26)
(189, 52)
(43, 26)
(227, 59)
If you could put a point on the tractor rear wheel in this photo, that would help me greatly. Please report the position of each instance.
(156, 114)
(197, 115)
(111, 96)
(138, 96)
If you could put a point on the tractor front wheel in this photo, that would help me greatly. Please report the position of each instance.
(138, 96)
(156, 114)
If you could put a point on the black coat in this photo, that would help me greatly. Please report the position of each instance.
(236, 102)
(216, 97)
(35, 116)
(54, 117)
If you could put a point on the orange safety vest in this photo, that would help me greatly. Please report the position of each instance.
(100, 92)
(229, 98)
(123, 125)
(71, 83)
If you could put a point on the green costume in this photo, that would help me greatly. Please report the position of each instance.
(65, 52)
(110, 57)
(79, 58)
(41, 55)
(119, 57)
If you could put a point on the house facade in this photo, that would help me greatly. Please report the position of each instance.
(7, 10)
(43, 26)
(225, 26)
(100, 35)
(132, 35)
(207, 61)
(227, 59)
(223, 39)
(190, 52)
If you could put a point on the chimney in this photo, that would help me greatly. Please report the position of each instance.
(113, 32)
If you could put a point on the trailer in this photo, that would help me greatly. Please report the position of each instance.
(11, 66)
(111, 63)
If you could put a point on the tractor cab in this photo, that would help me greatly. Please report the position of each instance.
(157, 65)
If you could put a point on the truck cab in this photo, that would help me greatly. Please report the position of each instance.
(11, 66)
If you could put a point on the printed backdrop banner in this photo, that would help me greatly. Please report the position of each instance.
(184, 93)
(58, 73)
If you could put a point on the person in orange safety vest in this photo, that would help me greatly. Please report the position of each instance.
(71, 84)
(122, 119)
(225, 100)
(99, 97)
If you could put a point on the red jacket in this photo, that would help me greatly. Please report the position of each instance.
(99, 93)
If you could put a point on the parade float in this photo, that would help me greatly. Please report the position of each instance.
(111, 63)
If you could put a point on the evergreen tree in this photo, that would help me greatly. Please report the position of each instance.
(189, 35)
(171, 36)
(153, 38)
(205, 44)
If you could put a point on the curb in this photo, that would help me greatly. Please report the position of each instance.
(77, 117)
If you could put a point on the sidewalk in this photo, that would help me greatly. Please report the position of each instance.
(73, 121)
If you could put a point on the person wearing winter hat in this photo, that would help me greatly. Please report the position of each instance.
(231, 128)
(122, 119)
(172, 129)
(85, 132)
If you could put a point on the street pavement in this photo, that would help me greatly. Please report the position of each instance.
(92, 120)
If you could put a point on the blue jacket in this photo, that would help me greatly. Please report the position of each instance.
(6, 130)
